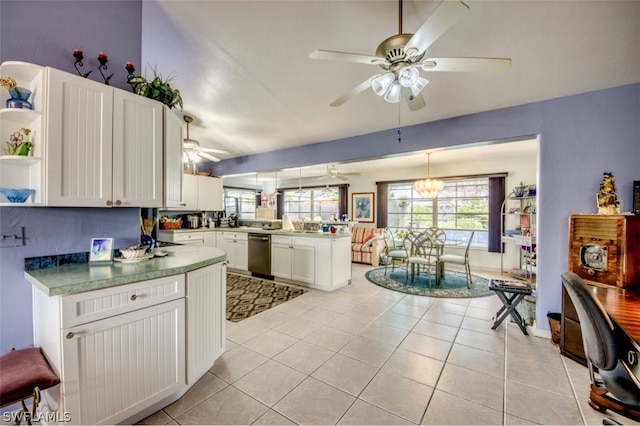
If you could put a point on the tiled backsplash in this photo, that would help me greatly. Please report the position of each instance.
(53, 261)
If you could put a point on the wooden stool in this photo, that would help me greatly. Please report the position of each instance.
(23, 373)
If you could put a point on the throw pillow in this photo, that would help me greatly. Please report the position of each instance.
(368, 239)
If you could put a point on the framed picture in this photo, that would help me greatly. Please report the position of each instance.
(363, 206)
(101, 250)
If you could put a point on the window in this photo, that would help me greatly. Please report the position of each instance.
(309, 203)
(462, 206)
(245, 199)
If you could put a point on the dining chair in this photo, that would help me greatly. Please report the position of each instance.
(392, 252)
(421, 252)
(459, 259)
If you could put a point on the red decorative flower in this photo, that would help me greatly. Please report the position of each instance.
(130, 66)
(77, 53)
(102, 58)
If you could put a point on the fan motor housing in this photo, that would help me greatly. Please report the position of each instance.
(392, 49)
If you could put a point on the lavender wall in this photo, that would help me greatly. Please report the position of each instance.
(580, 137)
(46, 33)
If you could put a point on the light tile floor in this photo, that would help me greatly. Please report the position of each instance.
(366, 355)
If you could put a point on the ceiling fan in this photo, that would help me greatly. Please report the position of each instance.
(333, 173)
(402, 55)
(191, 148)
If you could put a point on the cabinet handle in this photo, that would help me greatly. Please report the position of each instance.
(183, 204)
(109, 202)
(118, 202)
(134, 297)
(69, 335)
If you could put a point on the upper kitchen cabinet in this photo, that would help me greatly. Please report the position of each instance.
(23, 171)
(174, 134)
(202, 193)
(104, 145)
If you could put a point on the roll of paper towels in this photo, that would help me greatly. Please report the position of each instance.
(286, 223)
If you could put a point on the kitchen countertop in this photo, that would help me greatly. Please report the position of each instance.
(74, 279)
(312, 234)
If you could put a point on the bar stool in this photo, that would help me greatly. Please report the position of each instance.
(23, 374)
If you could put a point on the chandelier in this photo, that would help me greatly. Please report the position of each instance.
(428, 188)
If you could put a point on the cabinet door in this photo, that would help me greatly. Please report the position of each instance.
(79, 141)
(189, 191)
(210, 239)
(137, 151)
(115, 367)
(174, 134)
(303, 264)
(209, 193)
(281, 260)
(242, 255)
(341, 260)
(228, 245)
(206, 316)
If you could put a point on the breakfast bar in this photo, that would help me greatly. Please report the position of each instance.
(127, 339)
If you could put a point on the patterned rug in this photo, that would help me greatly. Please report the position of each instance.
(248, 296)
(454, 285)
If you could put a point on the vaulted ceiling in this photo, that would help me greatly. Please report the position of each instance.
(244, 71)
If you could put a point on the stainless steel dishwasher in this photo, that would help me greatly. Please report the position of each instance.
(260, 254)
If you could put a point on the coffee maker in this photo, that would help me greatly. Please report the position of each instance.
(233, 220)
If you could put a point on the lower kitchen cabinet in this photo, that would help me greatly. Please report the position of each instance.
(293, 258)
(122, 350)
(235, 244)
(333, 263)
(206, 305)
(210, 239)
(114, 367)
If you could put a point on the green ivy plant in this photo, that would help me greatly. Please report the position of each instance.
(157, 89)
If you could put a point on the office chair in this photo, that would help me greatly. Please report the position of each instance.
(612, 357)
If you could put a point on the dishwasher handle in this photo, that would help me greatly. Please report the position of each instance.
(259, 237)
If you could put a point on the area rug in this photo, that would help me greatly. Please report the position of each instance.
(453, 285)
(248, 296)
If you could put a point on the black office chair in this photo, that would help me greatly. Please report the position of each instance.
(612, 357)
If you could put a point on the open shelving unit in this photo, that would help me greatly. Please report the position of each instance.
(18, 171)
(519, 214)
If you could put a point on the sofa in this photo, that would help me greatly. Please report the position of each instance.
(365, 247)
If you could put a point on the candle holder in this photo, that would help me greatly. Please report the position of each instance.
(102, 58)
(131, 68)
(79, 57)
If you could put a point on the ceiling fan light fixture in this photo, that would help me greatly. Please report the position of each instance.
(381, 84)
(193, 157)
(393, 94)
(408, 76)
(420, 84)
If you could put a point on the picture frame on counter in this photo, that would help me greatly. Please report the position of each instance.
(101, 251)
(363, 205)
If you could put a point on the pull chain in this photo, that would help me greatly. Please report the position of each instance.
(399, 130)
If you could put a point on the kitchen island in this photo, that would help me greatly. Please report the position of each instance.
(320, 260)
(127, 339)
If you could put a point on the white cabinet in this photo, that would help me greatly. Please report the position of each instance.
(174, 133)
(206, 316)
(333, 263)
(202, 193)
(235, 244)
(210, 239)
(104, 145)
(117, 350)
(195, 238)
(293, 258)
(18, 171)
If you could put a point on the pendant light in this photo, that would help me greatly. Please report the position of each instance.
(428, 188)
(299, 192)
(276, 192)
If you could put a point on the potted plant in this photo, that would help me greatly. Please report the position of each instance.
(157, 88)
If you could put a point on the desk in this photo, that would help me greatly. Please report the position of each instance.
(623, 306)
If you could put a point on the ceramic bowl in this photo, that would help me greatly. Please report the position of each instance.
(133, 253)
(17, 195)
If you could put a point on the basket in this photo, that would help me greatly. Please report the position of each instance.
(554, 325)
(176, 224)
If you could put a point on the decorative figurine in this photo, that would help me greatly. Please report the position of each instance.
(102, 58)
(607, 198)
(77, 53)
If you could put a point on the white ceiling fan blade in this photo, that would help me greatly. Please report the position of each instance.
(208, 156)
(346, 56)
(494, 65)
(218, 151)
(415, 102)
(342, 177)
(446, 14)
(355, 91)
(324, 177)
